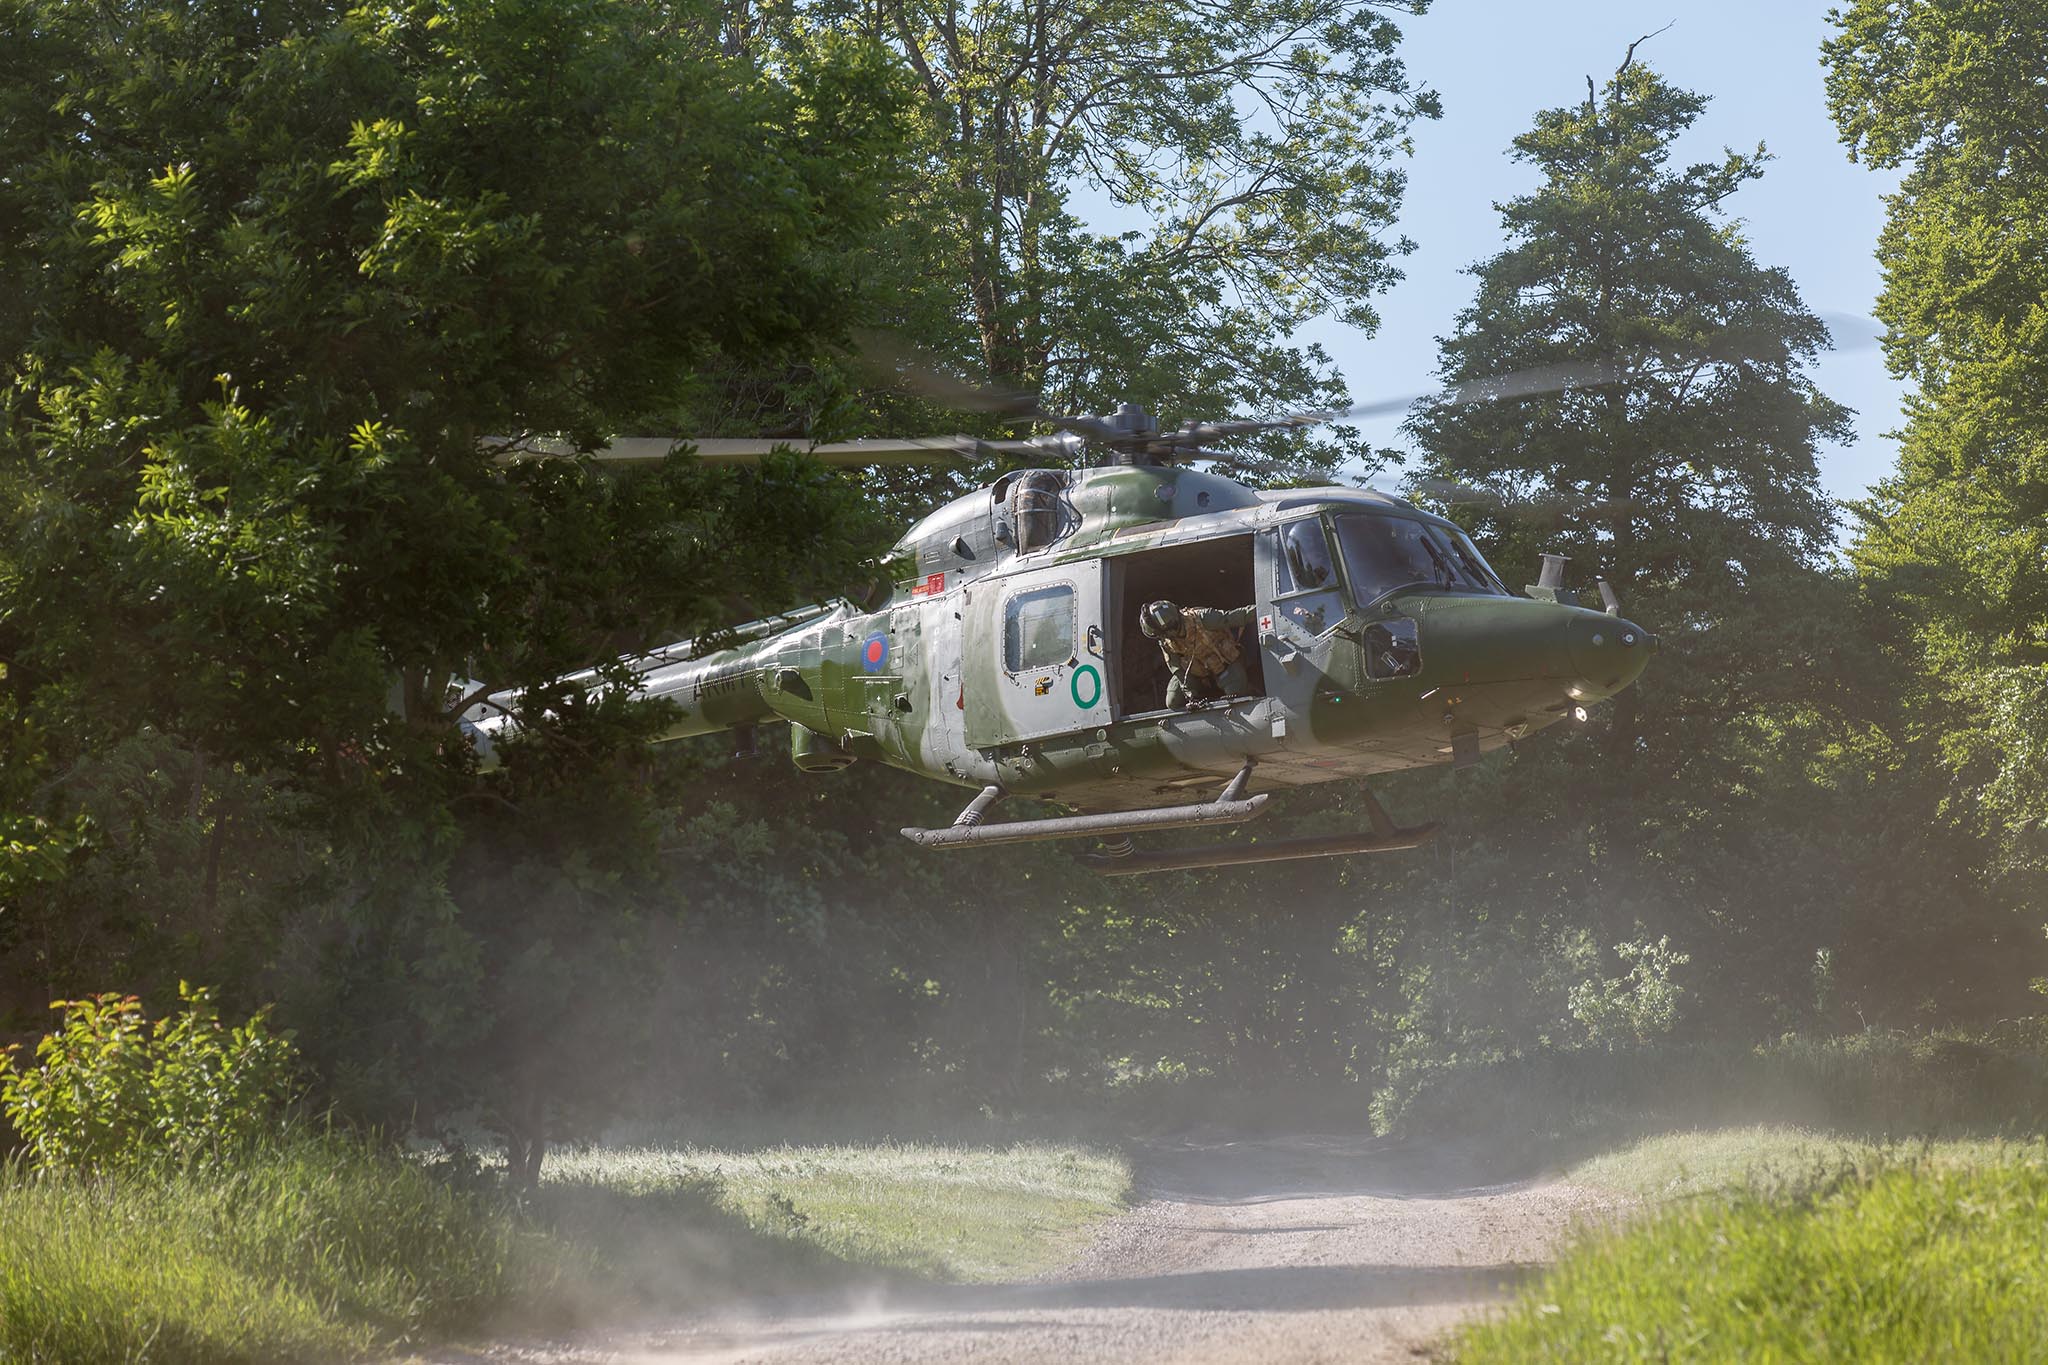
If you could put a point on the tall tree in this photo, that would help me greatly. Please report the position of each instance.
(1684, 468)
(1956, 540)
(1254, 146)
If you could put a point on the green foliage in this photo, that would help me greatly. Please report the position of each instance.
(35, 848)
(1955, 542)
(1638, 1007)
(109, 1088)
(1890, 1260)
(1771, 742)
(273, 278)
(1881, 1083)
(315, 1248)
(323, 1247)
(1259, 141)
(1689, 480)
(1773, 1158)
(947, 1212)
(269, 273)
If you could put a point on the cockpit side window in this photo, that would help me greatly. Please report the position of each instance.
(1305, 557)
(1306, 594)
(1386, 554)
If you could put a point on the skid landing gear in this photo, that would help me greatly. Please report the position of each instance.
(1228, 809)
(1117, 857)
(1385, 837)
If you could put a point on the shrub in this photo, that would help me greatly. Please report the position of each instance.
(1636, 1008)
(110, 1088)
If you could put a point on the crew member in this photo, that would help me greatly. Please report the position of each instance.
(1202, 654)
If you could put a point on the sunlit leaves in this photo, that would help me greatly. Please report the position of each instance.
(1956, 541)
(1257, 144)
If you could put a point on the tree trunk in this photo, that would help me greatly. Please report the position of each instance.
(526, 1143)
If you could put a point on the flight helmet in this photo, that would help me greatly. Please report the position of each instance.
(1159, 619)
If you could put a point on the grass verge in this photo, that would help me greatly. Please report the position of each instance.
(329, 1248)
(324, 1248)
(1783, 1244)
(950, 1213)
(1766, 1159)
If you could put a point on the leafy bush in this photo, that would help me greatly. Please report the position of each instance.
(110, 1088)
(1636, 1008)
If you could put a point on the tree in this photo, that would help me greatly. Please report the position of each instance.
(273, 276)
(1956, 540)
(1686, 474)
(1684, 471)
(1258, 141)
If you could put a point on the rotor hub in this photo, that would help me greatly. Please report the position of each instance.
(1131, 421)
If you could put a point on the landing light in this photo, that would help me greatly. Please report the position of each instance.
(1579, 714)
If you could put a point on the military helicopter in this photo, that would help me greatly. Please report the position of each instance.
(1007, 655)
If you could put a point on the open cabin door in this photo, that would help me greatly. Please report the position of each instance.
(1036, 651)
(1208, 572)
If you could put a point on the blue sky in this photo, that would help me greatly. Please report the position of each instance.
(1495, 63)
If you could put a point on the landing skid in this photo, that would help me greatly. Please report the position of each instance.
(1386, 837)
(1228, 809)
(1114, 828)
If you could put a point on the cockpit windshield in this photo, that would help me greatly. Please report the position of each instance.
(1386, 554)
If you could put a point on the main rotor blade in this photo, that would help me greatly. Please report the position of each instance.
(1194, 433)
(1577, 374)
(1852, 331)
(923, 374)
(1544, 508)
(1847, 332)
(631, 450)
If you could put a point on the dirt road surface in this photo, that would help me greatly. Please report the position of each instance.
(1296, 1250)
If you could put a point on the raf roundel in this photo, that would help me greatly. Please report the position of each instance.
(874, 652)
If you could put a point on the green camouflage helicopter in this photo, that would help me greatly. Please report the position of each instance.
(1008, 655)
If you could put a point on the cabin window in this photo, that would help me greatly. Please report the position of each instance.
(1038, 629)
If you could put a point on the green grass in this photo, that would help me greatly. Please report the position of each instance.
(1770, 1158)
(1776, 1243)
(333, 1249)
(952, 1213)
(324, 1249)
(1874, 1083)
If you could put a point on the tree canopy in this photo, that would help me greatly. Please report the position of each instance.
(1136, 200)
(1956, 540)
(1685, 469)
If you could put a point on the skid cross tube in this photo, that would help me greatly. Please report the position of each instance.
(1227, 809)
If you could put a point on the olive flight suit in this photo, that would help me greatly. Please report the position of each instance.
(1204, 658)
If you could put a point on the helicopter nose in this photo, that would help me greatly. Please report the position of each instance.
(1607, 652)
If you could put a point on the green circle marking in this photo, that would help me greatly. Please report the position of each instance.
(1094, 686)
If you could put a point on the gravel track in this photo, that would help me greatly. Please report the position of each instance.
(1302, 1249)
